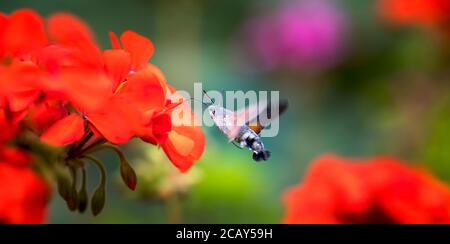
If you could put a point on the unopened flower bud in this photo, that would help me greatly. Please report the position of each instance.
(98, 200)
(128, 175)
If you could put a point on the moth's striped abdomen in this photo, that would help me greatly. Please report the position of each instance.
(248, 138)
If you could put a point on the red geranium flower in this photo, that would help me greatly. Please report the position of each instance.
(423, 12)
(380, 190)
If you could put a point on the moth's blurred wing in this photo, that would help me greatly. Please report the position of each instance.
(230, 126)
(257, 119)
(233, 132)
(247, 114)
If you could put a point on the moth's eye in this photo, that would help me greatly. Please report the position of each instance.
(214, 112)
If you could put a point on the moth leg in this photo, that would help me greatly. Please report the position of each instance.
(236, 145)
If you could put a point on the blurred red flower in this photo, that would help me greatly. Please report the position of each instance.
(422, 12)
(21, 33)
(380, 190)
(23, 194)
(24, 200)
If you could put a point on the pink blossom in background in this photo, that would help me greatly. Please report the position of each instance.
(307, 34)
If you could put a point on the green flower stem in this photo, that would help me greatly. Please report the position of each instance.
(126, 171)
(77, 146)
(99, 197)
(115, 148)
(100, 166)
(91, 148)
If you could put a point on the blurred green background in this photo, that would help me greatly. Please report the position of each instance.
(386, 92)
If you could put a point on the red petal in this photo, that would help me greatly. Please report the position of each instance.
(84, 89)
(118, 65)
(3, 24)
(158, 129)
(71, 32)
(9, 130)
(67, 29)
(159, 74)
(17, 117)
(54, 57)
(44, 114)
(66, 131)
(145, 91)
(22, 100)
(21, 77)
(15, 156)
(116, 122)
(112, 127)
(140, 48)
(184, 146)
(24, 33)
(115, 43)
(23, 196)
(19, 83)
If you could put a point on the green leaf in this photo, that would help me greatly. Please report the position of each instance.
(83, 195)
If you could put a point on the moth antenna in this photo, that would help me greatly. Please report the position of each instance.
(190, 99)
(193, 99)
(206, 94)
(236, 145)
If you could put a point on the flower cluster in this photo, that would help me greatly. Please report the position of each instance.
(58, 88)
(380, 190)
